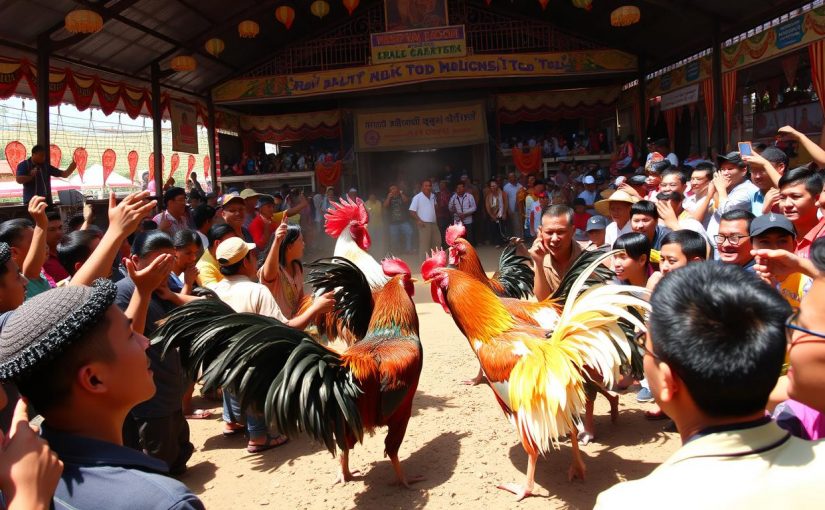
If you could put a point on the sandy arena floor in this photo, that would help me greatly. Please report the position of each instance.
(457, 438)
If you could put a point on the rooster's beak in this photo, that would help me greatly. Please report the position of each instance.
(414, 280)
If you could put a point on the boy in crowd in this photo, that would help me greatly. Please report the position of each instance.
(799, 190)
(644, 218)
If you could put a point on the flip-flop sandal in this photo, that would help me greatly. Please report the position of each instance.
(271, 442)
(656, 415)
(229, 431)
(199, 414)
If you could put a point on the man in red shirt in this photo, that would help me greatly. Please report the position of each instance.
(799, 190)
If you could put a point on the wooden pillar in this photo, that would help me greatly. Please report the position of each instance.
(642, 130)
(157, 139)
(43, 52)
(212, 132)
(718, 103)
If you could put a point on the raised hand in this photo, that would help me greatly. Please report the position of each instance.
(538, 251)
(788, 132)
(37, 210)
(280, 232)
(29, 469)
(126, 216)
(153, 276)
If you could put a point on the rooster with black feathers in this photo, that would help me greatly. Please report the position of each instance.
(303, 387)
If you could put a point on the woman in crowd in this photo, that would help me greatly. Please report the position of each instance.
(282, 271)
(187, 251)
(633, 266)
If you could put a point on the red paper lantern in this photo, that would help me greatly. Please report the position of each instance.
(286, 15)
(351, 5)
(207, 166)
(109, 159)
(15, 154)
(133, 161)
(55, 155)
(80, 158)
(190, 165)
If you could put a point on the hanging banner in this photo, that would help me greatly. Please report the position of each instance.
(207, 165)
(527, 162)
(419, 44)
(448, 126)
(15, 154)
(406, 14)
(184, 127)
(175, 164)
(681, 97)
(133, 161)
(55, 155)
(522, 65)
(109, 159)
(80, 158)
(190, 165)
(328, 173)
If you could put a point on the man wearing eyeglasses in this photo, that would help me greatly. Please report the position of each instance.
(733, 241)
(714, 350)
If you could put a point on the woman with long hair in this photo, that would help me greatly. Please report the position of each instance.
(282, 270)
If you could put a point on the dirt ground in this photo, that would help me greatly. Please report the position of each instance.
(457, 438)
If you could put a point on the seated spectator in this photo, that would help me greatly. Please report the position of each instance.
(596, 231)
(799, 190)
(77, 361)
(731, 450)
(52, 268)
(733, 241)
(644, 219)
(673, 179)
(28, 245)
(174, 218)
(157, 426)
(209, 272)
(801, 414)
(239, 265)
(75, 249)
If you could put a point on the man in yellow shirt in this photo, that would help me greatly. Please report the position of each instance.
(209, 271)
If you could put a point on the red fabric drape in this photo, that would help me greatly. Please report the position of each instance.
(817, 54)
(729, 98)
(328, 173)
(670, 123)
(527, 162)
(707, 91)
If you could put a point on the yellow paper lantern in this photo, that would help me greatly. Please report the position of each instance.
(83, 21)
(248, 29)
(286, 15)
(351, 5)
(319, 8)
(583, 4)
(183, 63)
(625, 15)
(215, 46)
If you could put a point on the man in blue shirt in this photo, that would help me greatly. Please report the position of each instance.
(35, 174)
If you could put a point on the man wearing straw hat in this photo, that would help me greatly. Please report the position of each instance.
(617, 208)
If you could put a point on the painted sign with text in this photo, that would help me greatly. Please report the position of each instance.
(422, 44)
(524, 65)
(447, 126)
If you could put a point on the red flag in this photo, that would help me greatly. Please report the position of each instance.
(80, 158)
(133, 161)
(175, 163)
(190, 165)
(109, 159)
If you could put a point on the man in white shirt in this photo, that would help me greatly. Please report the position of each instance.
(698, 202)
(463, 205)
(422, 210)
(734, 191)
(662, 146)
(617, 208)
(173, 219)
(589, 194)
(511, 189)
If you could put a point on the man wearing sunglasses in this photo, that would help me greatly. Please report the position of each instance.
(713, 353)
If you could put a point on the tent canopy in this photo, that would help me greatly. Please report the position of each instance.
(93, 179)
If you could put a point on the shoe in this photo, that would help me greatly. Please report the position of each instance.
(644, 396)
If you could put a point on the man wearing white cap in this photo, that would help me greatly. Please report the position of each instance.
(352, 194)
(617, 208)
(589, 193)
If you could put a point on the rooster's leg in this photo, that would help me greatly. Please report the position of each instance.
(577, 469)
(475, 381)
(396, 429)
(344, 474)
(526, 490)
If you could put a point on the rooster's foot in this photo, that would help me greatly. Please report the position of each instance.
(520, 491)
(407, 482)
(614, 407)
(577, 471)
(349, 476)
(475, 381)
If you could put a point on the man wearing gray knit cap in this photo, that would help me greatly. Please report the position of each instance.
(74, 356)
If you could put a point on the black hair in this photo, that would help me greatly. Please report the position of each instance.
(148, 225)
(11, 231)
(635, 244)
(293, 232)
(645, 207)
(75, 222)
(692, 243)
(38, 148)
(674, 171)
(172, 193)
(233, 269)
(184, 238)
(218, 231)
(202, 214)
(669, 195)
(811, 179)
(739, 214)
(558, 210)
(706, 167)
(579, 201)
(75, 247)
(722, 331)
(150, 242)
(53, 216)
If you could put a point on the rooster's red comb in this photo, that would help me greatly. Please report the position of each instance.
(437, 259)
(393, 266)
(342, 213)
(454, 232)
